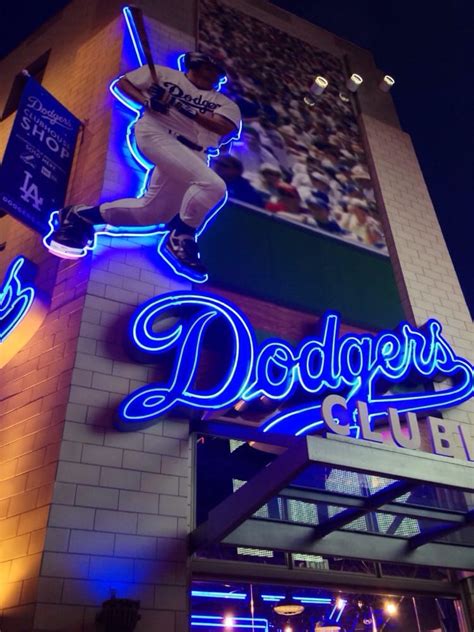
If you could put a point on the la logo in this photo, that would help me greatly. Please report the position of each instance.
(30, 192)
(21, 311)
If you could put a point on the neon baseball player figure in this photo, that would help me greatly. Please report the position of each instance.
(182, 117)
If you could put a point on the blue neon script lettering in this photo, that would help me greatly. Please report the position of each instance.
(16, 298)
(327, 362)
(186, 338)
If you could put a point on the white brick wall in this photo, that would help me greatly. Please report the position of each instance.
(425, 274)
(115, 519)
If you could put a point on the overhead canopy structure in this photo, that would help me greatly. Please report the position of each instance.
(391, 504)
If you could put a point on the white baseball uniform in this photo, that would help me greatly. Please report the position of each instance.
(181, 181)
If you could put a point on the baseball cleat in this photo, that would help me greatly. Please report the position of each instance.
(68, 244)
(73, 235)
(75, 215)
(181, 252)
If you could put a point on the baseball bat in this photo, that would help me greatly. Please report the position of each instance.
(137, 15)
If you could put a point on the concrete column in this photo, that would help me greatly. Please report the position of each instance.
(427, 281)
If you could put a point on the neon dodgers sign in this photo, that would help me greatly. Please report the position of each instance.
(353, 364)
(16, 297)
(22, 308)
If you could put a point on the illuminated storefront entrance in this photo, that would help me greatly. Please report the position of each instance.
(326, 523)
(265, 607)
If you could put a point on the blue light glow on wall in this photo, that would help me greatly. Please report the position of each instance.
(321, 364)
(16, 297)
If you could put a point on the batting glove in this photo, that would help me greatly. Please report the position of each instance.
(158, 100)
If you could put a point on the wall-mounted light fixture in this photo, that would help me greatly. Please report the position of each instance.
(354, 82)
(318, 86)
(119, 614)
(386, 83)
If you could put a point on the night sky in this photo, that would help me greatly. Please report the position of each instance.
(428, 48)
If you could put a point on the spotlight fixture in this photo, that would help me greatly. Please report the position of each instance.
(386, 83)
(344, 97)
(390, 608)
(318, 86)
(240, 406)
(354, 82)
(288, 628)
(229, 622)
(340, 603)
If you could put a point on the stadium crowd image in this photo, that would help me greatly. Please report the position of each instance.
(304, 163)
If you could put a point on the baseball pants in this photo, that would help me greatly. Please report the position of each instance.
(182, 182)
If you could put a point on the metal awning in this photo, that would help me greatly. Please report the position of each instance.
(393, 505)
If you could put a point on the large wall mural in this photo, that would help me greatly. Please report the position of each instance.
(295, 161)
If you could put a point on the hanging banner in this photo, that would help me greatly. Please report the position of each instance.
(35, 170)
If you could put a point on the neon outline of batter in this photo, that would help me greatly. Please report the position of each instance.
(147, 231)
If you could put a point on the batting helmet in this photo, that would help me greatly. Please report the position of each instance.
(195, 59)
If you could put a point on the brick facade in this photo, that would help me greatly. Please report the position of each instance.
(85, 509)
(35, 385)
(120, 510)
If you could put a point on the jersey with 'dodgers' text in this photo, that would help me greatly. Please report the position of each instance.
(182, 89)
